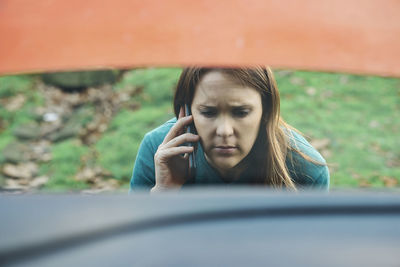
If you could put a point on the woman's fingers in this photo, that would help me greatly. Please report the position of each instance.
(164, 155)
(181, 139)
(177, 128)
(181, 113)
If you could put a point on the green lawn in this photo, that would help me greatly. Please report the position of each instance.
(352, 119)
(359, 116)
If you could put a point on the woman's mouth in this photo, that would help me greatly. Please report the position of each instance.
(225, 150)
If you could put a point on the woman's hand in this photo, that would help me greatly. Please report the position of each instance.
(171, 167)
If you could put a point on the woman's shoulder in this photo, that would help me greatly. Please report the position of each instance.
(156, 136)
(306, 165)
(299, 143)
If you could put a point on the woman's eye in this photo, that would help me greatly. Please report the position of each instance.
(208, 113)
(241, 113)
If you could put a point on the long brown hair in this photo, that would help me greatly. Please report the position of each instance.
(272, 144)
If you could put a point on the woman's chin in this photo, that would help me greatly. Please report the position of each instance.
(225, 165)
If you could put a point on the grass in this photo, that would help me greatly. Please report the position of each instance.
(357, 114)
(158, 84)
(64, 165)
(12, 85)
(118, 147)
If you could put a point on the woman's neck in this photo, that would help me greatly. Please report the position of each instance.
(232, 174)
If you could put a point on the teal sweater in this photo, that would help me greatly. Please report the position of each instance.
(304, 173)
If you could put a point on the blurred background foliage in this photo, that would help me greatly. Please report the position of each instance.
(87, 138)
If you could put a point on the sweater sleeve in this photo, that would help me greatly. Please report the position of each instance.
(322, 180)
(143, 176)
(306, 174)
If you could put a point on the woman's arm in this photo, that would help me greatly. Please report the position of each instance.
(143, 176)
(305, 173)
(159, 163)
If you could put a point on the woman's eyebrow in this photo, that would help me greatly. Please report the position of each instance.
(244, 106)
(239, 106)
(206, 106)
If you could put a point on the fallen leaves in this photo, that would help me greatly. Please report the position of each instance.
(90, 175)
(84, 115)
(103, 186)
(14, 103)
(20, 171)
(22, 177)
(393, 162)
(377, 180)
(374, 124)
(297, 81)
(311, 91)
(389, 181)
(364, 183)
(39, 181)
(38, 151)
(98, 178)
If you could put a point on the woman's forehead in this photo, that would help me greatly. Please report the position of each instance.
(218, 79)
(216, 87)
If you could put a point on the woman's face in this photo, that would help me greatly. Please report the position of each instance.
(227, 117)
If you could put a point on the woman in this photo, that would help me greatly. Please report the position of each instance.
(241, 138)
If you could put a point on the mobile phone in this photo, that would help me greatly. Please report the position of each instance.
(192, 156)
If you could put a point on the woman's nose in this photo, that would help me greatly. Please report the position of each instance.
(224, 127)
